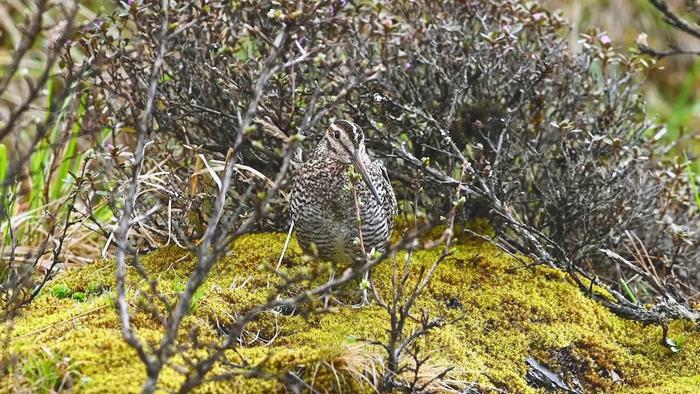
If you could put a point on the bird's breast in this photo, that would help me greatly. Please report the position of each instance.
(325, 212)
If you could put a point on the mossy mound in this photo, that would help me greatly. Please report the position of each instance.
(496, 315)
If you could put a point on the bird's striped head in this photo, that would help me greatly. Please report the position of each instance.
(344, 141)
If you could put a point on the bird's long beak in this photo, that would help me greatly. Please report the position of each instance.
(363, 171)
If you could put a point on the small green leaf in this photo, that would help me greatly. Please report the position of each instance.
(364, 284)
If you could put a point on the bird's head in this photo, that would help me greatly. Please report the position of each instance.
(345, 142)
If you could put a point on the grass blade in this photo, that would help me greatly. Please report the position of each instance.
(693, 183)
(3, 163)
(70, 160)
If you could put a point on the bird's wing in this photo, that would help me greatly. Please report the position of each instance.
(389, 196)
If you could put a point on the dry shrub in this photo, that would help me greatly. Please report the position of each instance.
(554, 145)
(561, 139)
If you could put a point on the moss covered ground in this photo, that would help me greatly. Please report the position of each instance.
(496, 315)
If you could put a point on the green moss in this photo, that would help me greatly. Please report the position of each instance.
(78, 296)
(96, 287)
(60, 290)
(497, 314)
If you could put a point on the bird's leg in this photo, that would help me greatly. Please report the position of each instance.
(329, 293)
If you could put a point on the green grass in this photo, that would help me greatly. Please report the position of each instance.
(52, 166)
(67, 169)
(6, 204)
(693, 182)
(684, 106)
(3, 162)
(628, 292)
(48, 372)
(681, 119)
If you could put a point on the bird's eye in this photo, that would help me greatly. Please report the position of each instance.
(336, 134)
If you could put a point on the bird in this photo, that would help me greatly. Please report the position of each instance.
(322, 205)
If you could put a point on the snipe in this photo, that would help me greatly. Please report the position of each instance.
(323, 207)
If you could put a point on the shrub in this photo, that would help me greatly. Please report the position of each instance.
(560, 139)
(554, 146)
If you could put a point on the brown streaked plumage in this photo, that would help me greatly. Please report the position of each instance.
(323, 208)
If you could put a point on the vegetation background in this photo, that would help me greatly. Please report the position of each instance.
(42, 216)
(672, 92)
